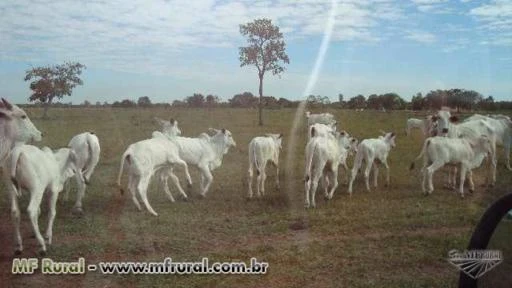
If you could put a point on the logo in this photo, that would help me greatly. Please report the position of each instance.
(475, 263)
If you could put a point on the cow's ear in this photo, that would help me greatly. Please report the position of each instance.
(223, 131)
(454, 119)
(172, 121)
(434, 118)
(280, 136)
(6, 104)
(393, 134)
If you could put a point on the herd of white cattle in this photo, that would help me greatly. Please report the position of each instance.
(463, 145)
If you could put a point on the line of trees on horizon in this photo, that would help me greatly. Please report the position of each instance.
(460, 99)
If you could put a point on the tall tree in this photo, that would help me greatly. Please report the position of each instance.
(49, 82)
(266, 51)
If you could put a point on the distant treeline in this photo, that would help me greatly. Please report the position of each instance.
(459, 99)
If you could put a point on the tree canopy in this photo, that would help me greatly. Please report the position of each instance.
(49, 82)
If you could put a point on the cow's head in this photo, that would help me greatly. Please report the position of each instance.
(169, 128)
(389, 137)
(278, 139)
(444, 121)
(17, 123)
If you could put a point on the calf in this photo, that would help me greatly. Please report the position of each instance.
(205, 152)
(262, 150)
(323, 156)
(440, 151)
(374, 152)
(38, 170)
(87, 148)
(144, 159)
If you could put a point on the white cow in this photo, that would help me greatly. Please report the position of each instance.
(323, 118)
(323, 156)
(425, 125)
(262, 150)
(205, 152)
(374, 152)
(38, 170)
(497, 130)
(321, 130)
(144, 159)
(87, 149)
(440, 151)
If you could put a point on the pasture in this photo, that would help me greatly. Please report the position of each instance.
(391, 237)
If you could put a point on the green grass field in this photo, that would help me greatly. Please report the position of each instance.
(392, 237)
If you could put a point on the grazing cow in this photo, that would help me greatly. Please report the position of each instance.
(323, 156)
(324, 118)
(425, 125)
(205, 152)
(87, 149)
(38, 170)
(440, 151)
(262, 150)
(321, 130)
(145, 158)
(374, 152)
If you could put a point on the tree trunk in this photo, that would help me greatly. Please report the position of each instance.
(46, 106)
(260, 105)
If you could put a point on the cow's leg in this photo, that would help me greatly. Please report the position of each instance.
(424, 180)
(33, 212)
(250, 175)
(369, 165)
(324, 181)
(80, 193)
(51, 217)
(314, 186)
(133, 181)
(15, 214)
(470, 180)
(205, 170)
(334, 181)
(307, 185)
(263, 177)
(164, 175)
(430, 172)
(463, 172)
(353, 175)
(176, 182)
(142, 190)
(375, 174)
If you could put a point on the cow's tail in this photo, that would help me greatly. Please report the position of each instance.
(423, 151)
(93, 148)
(309, 162)
(255, 160)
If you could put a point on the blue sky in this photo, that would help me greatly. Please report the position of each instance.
(171, 49)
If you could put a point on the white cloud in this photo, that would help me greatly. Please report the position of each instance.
(496, 19)
(130, 33)
(421, 36)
